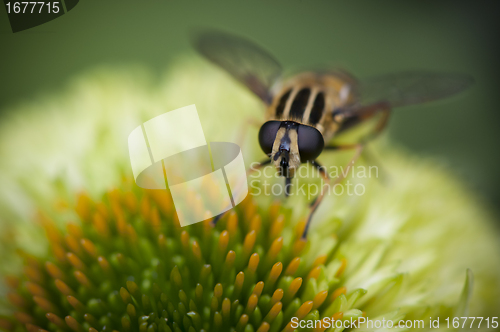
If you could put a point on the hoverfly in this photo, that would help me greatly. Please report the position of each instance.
(306, 111)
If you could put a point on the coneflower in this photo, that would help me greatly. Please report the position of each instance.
(128, 266)
(113, 257)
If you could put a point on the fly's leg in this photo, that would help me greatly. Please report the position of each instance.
(382, 123)
(288, 184)
(250, 171)
(315, 203)
(362, 115)
(242, 133)
(342, 147)
(379, 128)
(359, 149)
(385, 112)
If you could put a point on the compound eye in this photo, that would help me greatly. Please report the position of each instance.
(310, 143)
(267, 135)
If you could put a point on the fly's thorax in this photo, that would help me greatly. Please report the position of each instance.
(309, 98)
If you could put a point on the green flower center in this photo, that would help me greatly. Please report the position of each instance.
(128, 266)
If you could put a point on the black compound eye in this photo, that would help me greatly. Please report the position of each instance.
(310, 142)
(267, 135)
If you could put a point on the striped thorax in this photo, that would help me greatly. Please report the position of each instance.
(310, 98)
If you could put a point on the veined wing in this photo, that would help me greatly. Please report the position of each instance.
(410, 88)
(244, 60)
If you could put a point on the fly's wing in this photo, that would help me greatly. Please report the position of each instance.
(244, 60)
(411, 88)
(383, 92)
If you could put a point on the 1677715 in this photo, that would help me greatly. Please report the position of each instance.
(33, 7)
(470, 322)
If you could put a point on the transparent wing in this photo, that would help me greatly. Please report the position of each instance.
(411, 88)
(244, 60)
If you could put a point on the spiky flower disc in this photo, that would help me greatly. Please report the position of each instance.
(128, 267)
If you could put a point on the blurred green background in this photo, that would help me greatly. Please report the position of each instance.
(365, 37)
